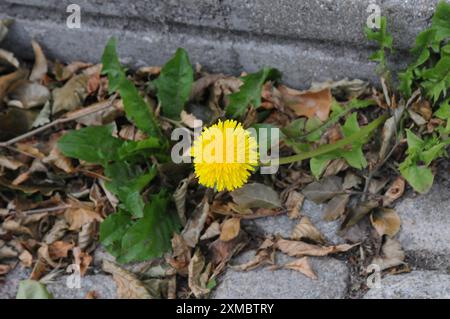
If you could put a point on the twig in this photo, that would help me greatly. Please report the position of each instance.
(42, 210)
(69, 117)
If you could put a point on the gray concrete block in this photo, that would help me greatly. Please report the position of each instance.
(283, 283)
(324, 20)
(103, 285)
(425, 226)
(415, 285)
(313, 40)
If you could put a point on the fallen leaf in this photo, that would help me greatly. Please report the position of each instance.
(386, 221)
(179, 197)
(195, 224)
(26, 258)
(190, 120)
(181, 255)
(212, 231)
(78, 216)
(87, 235)
(294, 203)
(336, 207)
(302, 265)
(305, 229)
(82, 259)
(59, 160)
(323, 190)
(128, 285)
(10, 163)
(27, 95)
(40, 63)
(72, 95)
(6, 58)
(56, 232)
(392, 255)
(195, 269)
(256, 195)
(59, 249)
(376, 185)
(230, 229)
(351, 180)
(355, 214)
(261, 258)
(6, 81)
(308, 103)
(395, 191)
(299, 248)
(4, 269)
(15, 227)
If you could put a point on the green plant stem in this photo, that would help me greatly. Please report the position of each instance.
(366, 130)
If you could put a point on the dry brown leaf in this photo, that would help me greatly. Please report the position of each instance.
(261, 258)
(128, 285)
(230, 229)
(181, 255)
(39, 269)
(392, 255)
(87, 235)
(294, 203)
(59, 249)
(196, 269)
(190, 120)
(302, 265)
(395, 191)
(26, 258)
(308, 103)
(92, 294)
(298, 248)
(56, 232)
(72, 95)
(15, 227)
(45, 255)
(212, 231)
(78, 216)
(386, 221)
(195, 224)
(82, 259)
(59, 160)
(305, 229)
(4, 269)
(336, 207)
(10, 163)
(40, 63)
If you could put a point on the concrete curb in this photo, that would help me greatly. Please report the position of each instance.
(312, 40)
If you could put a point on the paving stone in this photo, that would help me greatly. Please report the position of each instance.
(282, 225)
(103, 285)
(424, 233)
(415, 285)
(284, 283)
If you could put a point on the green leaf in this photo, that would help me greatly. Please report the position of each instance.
(437, 79)
(441, 20)
(174, 84)
(419, 177)
(151, 235)
(112, 230)
(250, 92)
(384, 41)
(111, 66)
(94, 144)
(432, 153)
(127, 182)
(355, 156)
(32, 289)
(319, 164)
(444, 110)
(415, 143)
(131, 148)
(137, 110)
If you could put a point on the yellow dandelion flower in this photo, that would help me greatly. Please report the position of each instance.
(224, 155)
